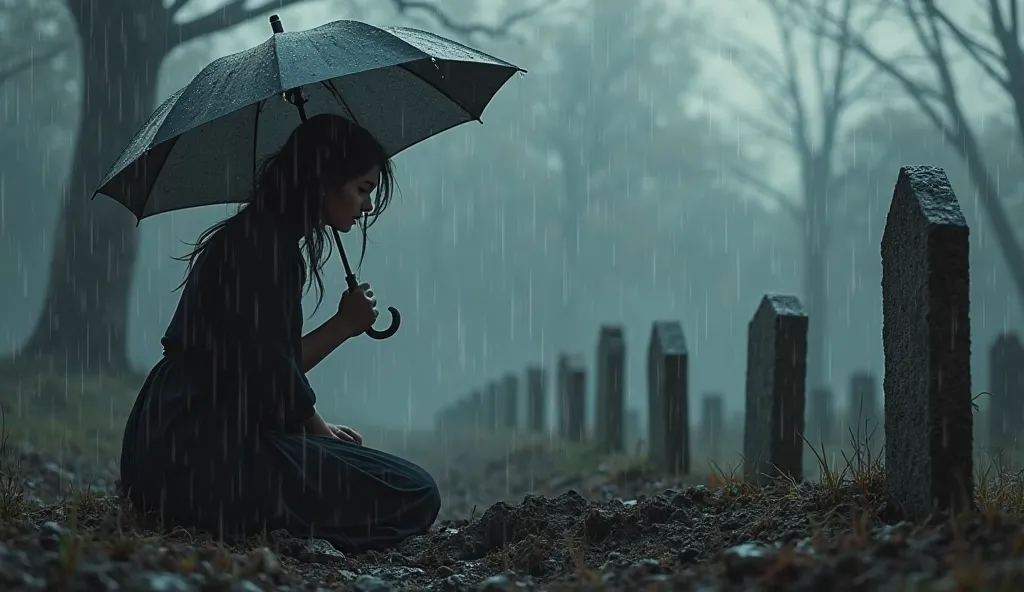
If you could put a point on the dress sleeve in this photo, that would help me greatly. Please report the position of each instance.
(264, 289)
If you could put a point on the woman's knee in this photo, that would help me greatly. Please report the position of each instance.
(432, 496)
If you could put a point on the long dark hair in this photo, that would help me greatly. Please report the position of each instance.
(324, 152)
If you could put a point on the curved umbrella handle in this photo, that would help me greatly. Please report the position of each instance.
(353, 284)
(396, 321)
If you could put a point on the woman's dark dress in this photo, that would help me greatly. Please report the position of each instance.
(213, 441)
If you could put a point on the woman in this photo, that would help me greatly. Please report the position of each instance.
(224, 434)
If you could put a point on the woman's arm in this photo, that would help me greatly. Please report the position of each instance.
(316, 426)
(320, 342)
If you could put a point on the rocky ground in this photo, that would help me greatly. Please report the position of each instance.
(586, 524)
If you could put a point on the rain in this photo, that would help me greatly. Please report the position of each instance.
(683, 294)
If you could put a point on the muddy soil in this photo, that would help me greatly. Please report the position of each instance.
(519, 518)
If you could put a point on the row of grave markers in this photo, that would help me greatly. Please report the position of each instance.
(928, 413)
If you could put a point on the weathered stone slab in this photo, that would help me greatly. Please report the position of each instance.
(1006, 401)
(572, 384)
(712, 425)
(491, 406)
(776, 378)
(611, 396)
(926, 335)
(476, 409)
(864, 411)
(510, 402)
(536, 400)
(668, 409)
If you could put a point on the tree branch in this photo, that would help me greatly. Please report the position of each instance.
(26, 62)
(767, 190)
(989, 60)
(235, 12)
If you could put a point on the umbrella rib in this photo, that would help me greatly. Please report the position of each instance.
(445, 94)
(149, 189)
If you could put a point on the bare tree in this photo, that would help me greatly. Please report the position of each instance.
(83, 323)
(17, 52)
(940, 40)
(805, 111)
(621, 71)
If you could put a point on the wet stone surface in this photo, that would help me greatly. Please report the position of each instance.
(609, 529)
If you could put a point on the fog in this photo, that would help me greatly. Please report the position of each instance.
(644, 169)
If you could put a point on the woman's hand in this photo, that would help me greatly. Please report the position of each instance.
(357, 310)
(346, 433)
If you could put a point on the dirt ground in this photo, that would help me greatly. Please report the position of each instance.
(522, 516)
(518, 514)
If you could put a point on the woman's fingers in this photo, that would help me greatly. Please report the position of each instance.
(356, 437)
(347, 434)
(341, 434)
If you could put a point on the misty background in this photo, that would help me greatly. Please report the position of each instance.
(654, 164)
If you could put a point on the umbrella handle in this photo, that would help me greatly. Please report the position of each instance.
(295, 97)
(353, 285)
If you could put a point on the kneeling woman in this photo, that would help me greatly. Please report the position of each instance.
(224, 435)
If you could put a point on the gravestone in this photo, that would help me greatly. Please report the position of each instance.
(712, 420)
(668, 410)
(821, 424)
(926, 336)
(491, 406)
(476, 405)
(571, 397)
(864, 410)
(510, 402)
(776, 376)
(1006, 402)
(611, 399)
(536, 401)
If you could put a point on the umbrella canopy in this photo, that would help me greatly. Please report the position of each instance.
(202, 144)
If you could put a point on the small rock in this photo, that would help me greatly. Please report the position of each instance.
(371, 584)
(395, 573)
(494, 584)
(247, 586)
(688, 555)
(158, 582)
(443, 572)
(263, 560)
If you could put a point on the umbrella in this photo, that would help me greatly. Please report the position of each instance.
(402, 85)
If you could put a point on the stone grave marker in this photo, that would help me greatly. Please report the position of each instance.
(491, 407)
(776, 378)
(536, 400)
(712, 424)
(1006, 402)
(572, 385)
(668, 410)
(510, 402)
(926, 337)
(611, 398)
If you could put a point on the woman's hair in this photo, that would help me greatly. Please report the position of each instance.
(324, 152)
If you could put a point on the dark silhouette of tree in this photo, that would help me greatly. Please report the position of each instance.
(807, 113)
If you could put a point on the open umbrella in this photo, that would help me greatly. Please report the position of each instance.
(402, 85)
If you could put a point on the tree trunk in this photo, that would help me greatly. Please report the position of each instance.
(816, 280)
(967, 146)
(83, 322)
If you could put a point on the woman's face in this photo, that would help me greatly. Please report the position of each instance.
(345, 205)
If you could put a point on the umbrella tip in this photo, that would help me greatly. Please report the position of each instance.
(275, 24)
